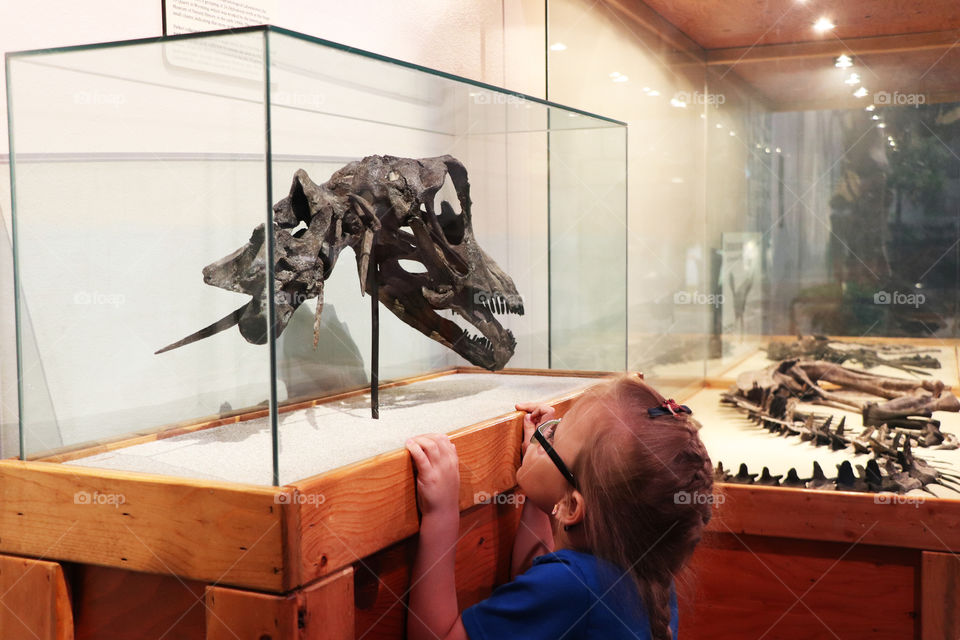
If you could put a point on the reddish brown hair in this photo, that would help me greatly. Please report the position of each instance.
(647, 485)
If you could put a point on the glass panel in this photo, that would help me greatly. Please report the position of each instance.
(852, 194)
(330, 108)
(588, 249)
(600, 59)
(134, 168)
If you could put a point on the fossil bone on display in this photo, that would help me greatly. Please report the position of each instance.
(386, 209)
(899, 356)
(895, 413)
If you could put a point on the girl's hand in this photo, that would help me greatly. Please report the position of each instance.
(438, 475)
(536, 414)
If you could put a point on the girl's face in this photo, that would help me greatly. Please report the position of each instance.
(538, 477)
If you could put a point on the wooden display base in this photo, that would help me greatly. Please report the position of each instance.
(142, 556)
(790, 563)
(97, 554)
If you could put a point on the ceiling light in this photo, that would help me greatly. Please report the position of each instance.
(823, 25)
(558, 46)
(621, 78)
(875, 117)
(881, 125)
(732, 133)
(860, 93)
(719, 126)
(615, 74)
(870, 107)
(844, 61)
(852, 79)
(679, 104)
(654, 93)
(778, 149)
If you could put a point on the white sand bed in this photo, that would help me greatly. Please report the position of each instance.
(332, 435)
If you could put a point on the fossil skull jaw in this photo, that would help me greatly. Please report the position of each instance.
(419, 303)
(460, 277)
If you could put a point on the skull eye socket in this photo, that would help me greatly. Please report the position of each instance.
(412, 266)
(451, 223)
(299, 203)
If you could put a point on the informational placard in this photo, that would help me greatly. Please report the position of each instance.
(740, 283)
(191, 16)
(226, 56)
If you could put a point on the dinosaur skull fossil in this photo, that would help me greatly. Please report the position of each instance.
(388, 210)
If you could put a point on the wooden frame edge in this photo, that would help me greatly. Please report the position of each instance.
(881, 519)
(217, 532)
(371, 504)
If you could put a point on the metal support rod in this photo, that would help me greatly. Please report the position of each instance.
(375, 343)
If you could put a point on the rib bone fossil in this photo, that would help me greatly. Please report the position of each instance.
(903, 414)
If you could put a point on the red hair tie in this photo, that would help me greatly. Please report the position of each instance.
(668, 407)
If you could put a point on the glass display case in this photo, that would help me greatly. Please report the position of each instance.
(144, 174)
(794, 170)
(840, 169)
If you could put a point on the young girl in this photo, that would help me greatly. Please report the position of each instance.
(617, 496)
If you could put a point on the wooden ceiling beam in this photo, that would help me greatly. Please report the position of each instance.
(832, 48)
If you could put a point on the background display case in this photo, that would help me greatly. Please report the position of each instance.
(821, 165)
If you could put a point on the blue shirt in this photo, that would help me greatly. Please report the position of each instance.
(564, 595)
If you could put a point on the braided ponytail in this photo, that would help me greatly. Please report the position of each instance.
(645, 477)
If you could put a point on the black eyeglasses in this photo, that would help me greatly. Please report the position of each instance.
(544, 435)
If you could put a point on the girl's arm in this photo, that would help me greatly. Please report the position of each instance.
(534, 533)
(433, 612)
